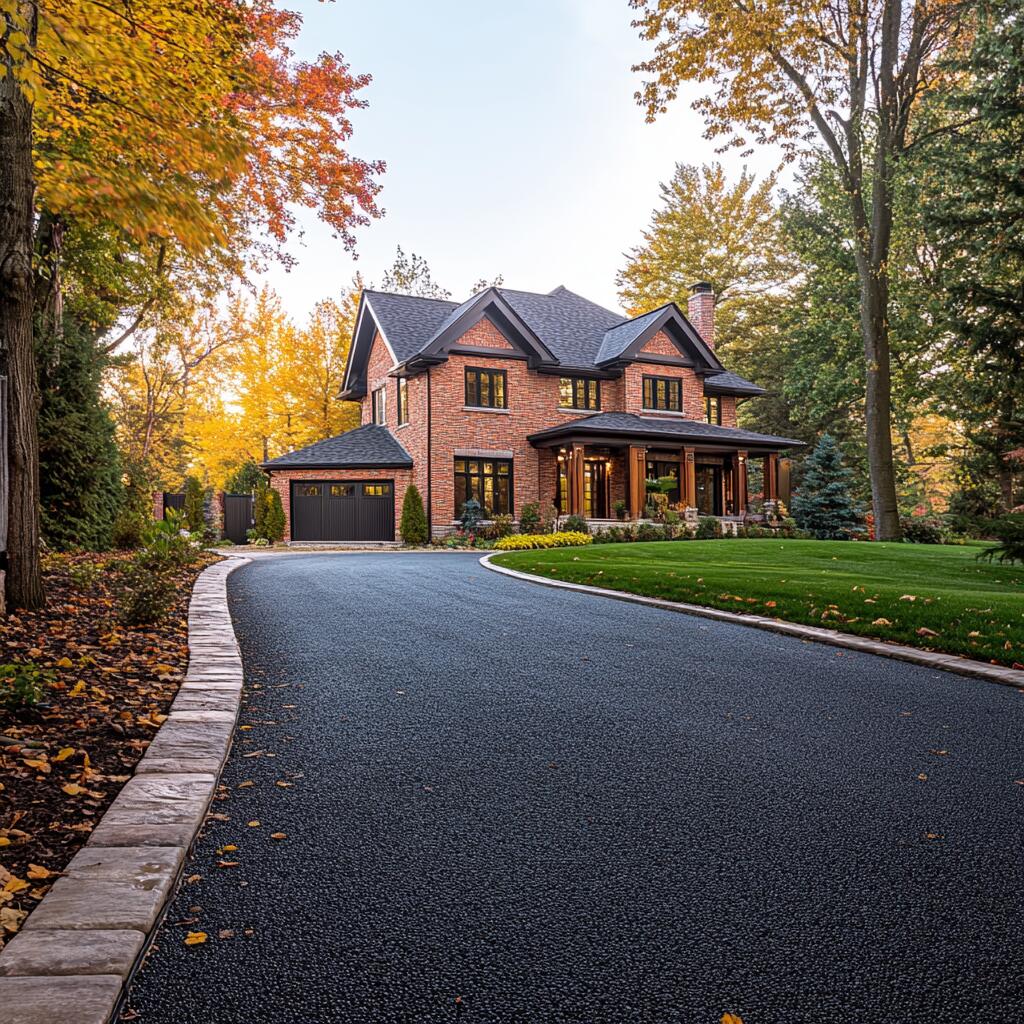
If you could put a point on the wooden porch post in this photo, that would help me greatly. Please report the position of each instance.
(576, 480)
(688, 478)
(637, 474)
(740, 482)
(771, 476)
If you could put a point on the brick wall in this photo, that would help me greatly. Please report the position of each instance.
(158, 504)
(634, 373)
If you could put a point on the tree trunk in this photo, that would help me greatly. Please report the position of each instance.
(24, 578)
(874, 304)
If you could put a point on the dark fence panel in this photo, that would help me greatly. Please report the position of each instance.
(175, 501)
(238, 517)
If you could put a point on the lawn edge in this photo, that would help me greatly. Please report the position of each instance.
(1000, 674)
(75, 965)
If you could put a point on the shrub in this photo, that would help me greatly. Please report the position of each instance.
(413, 527)
(192, 512)
(269, 515)
(85, 574)
(131, 521)
(148, 597)
(548, 517)
(648, 531)
(708, 528)
(22, 685)
(1010, 532)
(529, 518)
(672, 518)
(922, 530)
(247, 479)
(504, 526)
(470, 516)
(574, 524)
(529, 541)
(164, 545)
(619, 508)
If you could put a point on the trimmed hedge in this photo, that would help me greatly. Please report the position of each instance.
(528, 541)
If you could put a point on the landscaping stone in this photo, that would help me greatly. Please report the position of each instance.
(133, 863)
(156, 809)
(71, 952)
(85, 903)
(185, 746)
(75, 999)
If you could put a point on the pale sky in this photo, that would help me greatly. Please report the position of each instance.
(512, 140)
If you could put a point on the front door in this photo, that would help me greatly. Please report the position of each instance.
(595, 489)
(709, 489)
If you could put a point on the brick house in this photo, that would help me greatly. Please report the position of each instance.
(514, 397)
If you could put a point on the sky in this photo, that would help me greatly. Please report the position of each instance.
(513, 144)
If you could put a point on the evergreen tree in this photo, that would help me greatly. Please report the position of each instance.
(269, 514)
(195, 521)
(414, 520)
(824, 507)
(247, 479)
(79, 466)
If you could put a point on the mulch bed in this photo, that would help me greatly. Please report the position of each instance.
(63, 761)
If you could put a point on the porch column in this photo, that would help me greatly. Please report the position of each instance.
(636, 463)
(688, 477)
(771, 477)
(785, 488)
(740, 482)
(576, 480)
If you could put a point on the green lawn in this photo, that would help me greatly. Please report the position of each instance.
(888, 591)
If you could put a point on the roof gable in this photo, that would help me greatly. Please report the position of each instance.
(626, 341)
(362, 448)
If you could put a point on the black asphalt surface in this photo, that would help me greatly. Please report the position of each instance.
(561, 808)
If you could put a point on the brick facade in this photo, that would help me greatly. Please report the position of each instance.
(532, 406)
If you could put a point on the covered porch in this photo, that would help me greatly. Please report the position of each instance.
(599, 472)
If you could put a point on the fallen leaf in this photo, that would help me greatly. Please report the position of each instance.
(282, 783)
(64, 753)
(925, 631)
(226, 933)
(909, 597)
(193, 878)
(64, 662)
(881, 622)
(37, 872)
(195, 938)
(227, 863)
(15, 884)
(731, 1018)
(246, 784)
(72, 789)
(922, 777)
(254, 823)
(278, 835)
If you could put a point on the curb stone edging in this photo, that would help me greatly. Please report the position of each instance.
(72, 959)
(930, 659)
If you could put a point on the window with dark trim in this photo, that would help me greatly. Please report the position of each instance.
(713, 409)
(402, 405)
(309, 490)
(663, 394)
(376, 490)
(343, 490)
(489, 481)
(485, 389)
(379, 405)
(579, 393)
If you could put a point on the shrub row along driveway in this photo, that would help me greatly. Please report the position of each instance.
(556, 807)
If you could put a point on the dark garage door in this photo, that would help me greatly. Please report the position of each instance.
(336, 510)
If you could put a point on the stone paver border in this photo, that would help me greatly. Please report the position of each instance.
(70, 962)
(930, 659)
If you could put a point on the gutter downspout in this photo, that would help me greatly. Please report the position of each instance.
(430, 467)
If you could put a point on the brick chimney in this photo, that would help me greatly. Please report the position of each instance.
(701, 311)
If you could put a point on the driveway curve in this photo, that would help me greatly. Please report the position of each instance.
(506, 803)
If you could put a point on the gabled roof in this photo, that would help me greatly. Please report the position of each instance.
(611, 424)
(365, 447)
(559, 329)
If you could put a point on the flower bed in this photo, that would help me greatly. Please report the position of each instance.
(533, 541)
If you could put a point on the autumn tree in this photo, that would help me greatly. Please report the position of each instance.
(849, 74)
(729, 234)
(181, 135)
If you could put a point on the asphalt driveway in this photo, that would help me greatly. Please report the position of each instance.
(506, 803)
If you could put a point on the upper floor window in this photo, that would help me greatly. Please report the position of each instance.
(485, 389)
(579, 393)
(713, 409)
(379, 405)
(402, 406)
(663, 394)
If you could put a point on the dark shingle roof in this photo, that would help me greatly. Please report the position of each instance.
(620, 337)
(731, 383)
(570, 326)
(681, 429)
(408, 321)
(364, 447)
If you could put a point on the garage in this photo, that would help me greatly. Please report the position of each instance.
(343, 510)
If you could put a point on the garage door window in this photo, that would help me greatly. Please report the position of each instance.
(309, 490)
(343, 490)
(376, 490)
